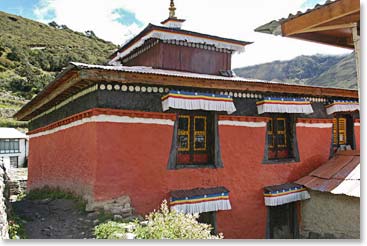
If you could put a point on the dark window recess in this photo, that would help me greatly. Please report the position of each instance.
(281, 141)
(195, 139)
(9, 146)
(14, 161)
(210, 219)
(343, 132)
(282, 222)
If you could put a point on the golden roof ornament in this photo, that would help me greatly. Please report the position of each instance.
(172, 10)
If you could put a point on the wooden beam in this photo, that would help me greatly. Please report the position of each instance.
(316, 17)
(125, 77)
(328, 28)
(342, 42)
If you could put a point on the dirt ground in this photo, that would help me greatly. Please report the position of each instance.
(55, 219)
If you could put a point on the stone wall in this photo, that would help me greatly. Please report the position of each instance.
(326, 215)
(3, 200)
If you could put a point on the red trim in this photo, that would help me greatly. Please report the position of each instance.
(98, 111)
(244, 118)
(357, 120)
(312, 120)
(208, 200)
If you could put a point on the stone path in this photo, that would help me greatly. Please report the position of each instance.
(55, 219)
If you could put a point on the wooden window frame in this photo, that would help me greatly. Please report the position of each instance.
(347, 132)
(185, 133)
(290, 139)
(200, 133)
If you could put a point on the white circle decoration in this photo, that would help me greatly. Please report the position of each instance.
(117, 87)
(102, 87)
(124, 88)
(109, 87)
(131, 88)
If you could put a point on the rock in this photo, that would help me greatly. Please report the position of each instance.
(95, 222)
(117, 217)
(45, 201)
(93, 215)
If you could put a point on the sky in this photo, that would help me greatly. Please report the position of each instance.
(119, 20)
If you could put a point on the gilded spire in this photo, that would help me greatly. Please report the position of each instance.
(172, 10)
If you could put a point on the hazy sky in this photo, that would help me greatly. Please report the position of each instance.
(119, 20)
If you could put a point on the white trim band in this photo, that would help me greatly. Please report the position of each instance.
(241, 123)
(315, 125)
(357, 124)
(106, 118)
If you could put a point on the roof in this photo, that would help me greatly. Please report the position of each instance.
(78, 76)
(166, 33)
(339, 175)
(11, 133)
(328, 23)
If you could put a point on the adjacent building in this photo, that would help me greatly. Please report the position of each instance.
(13, 148)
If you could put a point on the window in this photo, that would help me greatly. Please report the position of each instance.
(281, 142)
(8, 146)
(208, 218)
(195, 139)
(343, 132)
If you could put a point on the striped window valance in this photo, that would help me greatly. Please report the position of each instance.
(198, 101)
(284, 105)
(285, 193)
(342, 106)
(200, 200)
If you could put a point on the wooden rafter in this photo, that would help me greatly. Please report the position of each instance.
(332, 12)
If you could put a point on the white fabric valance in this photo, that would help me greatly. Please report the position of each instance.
(284, 105)
(198, 101)
(285, 193)
(342, 106)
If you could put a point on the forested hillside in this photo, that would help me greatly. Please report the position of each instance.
(32, 53)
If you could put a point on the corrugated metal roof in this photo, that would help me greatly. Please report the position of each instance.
(339, 175)
(274, 26)
(11, 133)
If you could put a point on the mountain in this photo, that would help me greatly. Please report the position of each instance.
(322, 70)
(32, 53)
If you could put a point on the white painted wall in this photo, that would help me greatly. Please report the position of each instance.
(23, 148)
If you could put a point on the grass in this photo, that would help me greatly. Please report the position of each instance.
(56, 193)
(7, 122)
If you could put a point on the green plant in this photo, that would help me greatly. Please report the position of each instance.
(16, 228)
(162, 224)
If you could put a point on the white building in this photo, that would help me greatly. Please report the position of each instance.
(13, 147)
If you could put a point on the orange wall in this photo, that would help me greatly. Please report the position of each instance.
(65, 159)
(132, 159)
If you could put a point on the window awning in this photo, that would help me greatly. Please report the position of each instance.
(198, 101)
(284, 105)
(342, 106)
(285, 193)
(200, 200)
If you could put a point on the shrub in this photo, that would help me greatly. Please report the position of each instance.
(162, 224)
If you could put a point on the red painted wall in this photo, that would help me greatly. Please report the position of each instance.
(133, 159)
(108, 160)
(65, 159)
(357, 132)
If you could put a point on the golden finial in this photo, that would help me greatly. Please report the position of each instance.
(172, 10)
